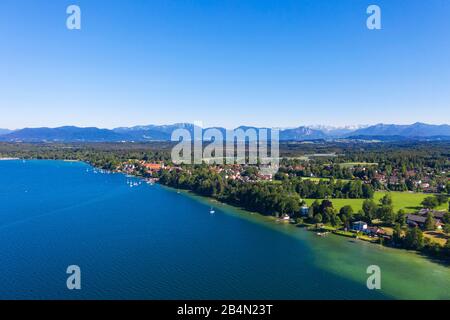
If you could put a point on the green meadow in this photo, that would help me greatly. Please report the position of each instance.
(355, 164)
(315, 179)
(408, 201)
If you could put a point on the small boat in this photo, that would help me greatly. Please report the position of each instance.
(212, 211)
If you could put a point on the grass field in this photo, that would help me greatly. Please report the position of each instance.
(436, 236)
(315, 179)
(354, 164)
(408, 201)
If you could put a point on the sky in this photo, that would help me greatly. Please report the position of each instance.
(274, 63)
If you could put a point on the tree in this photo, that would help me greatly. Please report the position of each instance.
(430, 223)
(367, 191)
(430, 202)
(311, 212)
(447, 228)
(386, 200)
(446, 249)
(401, 217)
(387, 214)
(441, 199)
(333, 217)
(446, 218)
(329, 215)
(397, 235)
(318, 218)
(414, 239)
(324, 205)
(314, 209)
(369, 208)
(292, 204)
(346, 215)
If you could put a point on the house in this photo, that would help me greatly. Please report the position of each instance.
(423, 212)
(304, 210)
(359, 226)
(153, 166)
(375, 231)
(266, 177)
(414, 220)
(436, 214)
(394, 180)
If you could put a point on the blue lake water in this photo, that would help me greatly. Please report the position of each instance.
(149, 242)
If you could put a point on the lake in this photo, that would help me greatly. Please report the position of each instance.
(150, 242)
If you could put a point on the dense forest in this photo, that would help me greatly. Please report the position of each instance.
(270, 198)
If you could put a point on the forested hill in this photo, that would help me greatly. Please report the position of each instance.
(380, 132)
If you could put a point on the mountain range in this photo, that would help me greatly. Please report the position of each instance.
(384, 132)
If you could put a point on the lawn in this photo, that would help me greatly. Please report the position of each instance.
(317, 179)
(436, 236)
(408, 201)
(354, 164)
(339, 203)
(313, 179)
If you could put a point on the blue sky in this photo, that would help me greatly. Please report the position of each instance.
(223, 62)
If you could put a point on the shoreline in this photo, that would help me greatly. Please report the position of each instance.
(311, 228)
(272, 219)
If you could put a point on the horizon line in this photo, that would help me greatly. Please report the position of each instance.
(311, 126)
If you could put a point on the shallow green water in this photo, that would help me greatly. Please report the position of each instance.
(405, 274)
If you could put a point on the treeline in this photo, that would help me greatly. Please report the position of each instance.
(324, 212)
(403, 236)
(102, 155)
(315, 169)
(263, 197)
(413, 239)
(429, 161)
(328, 188)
